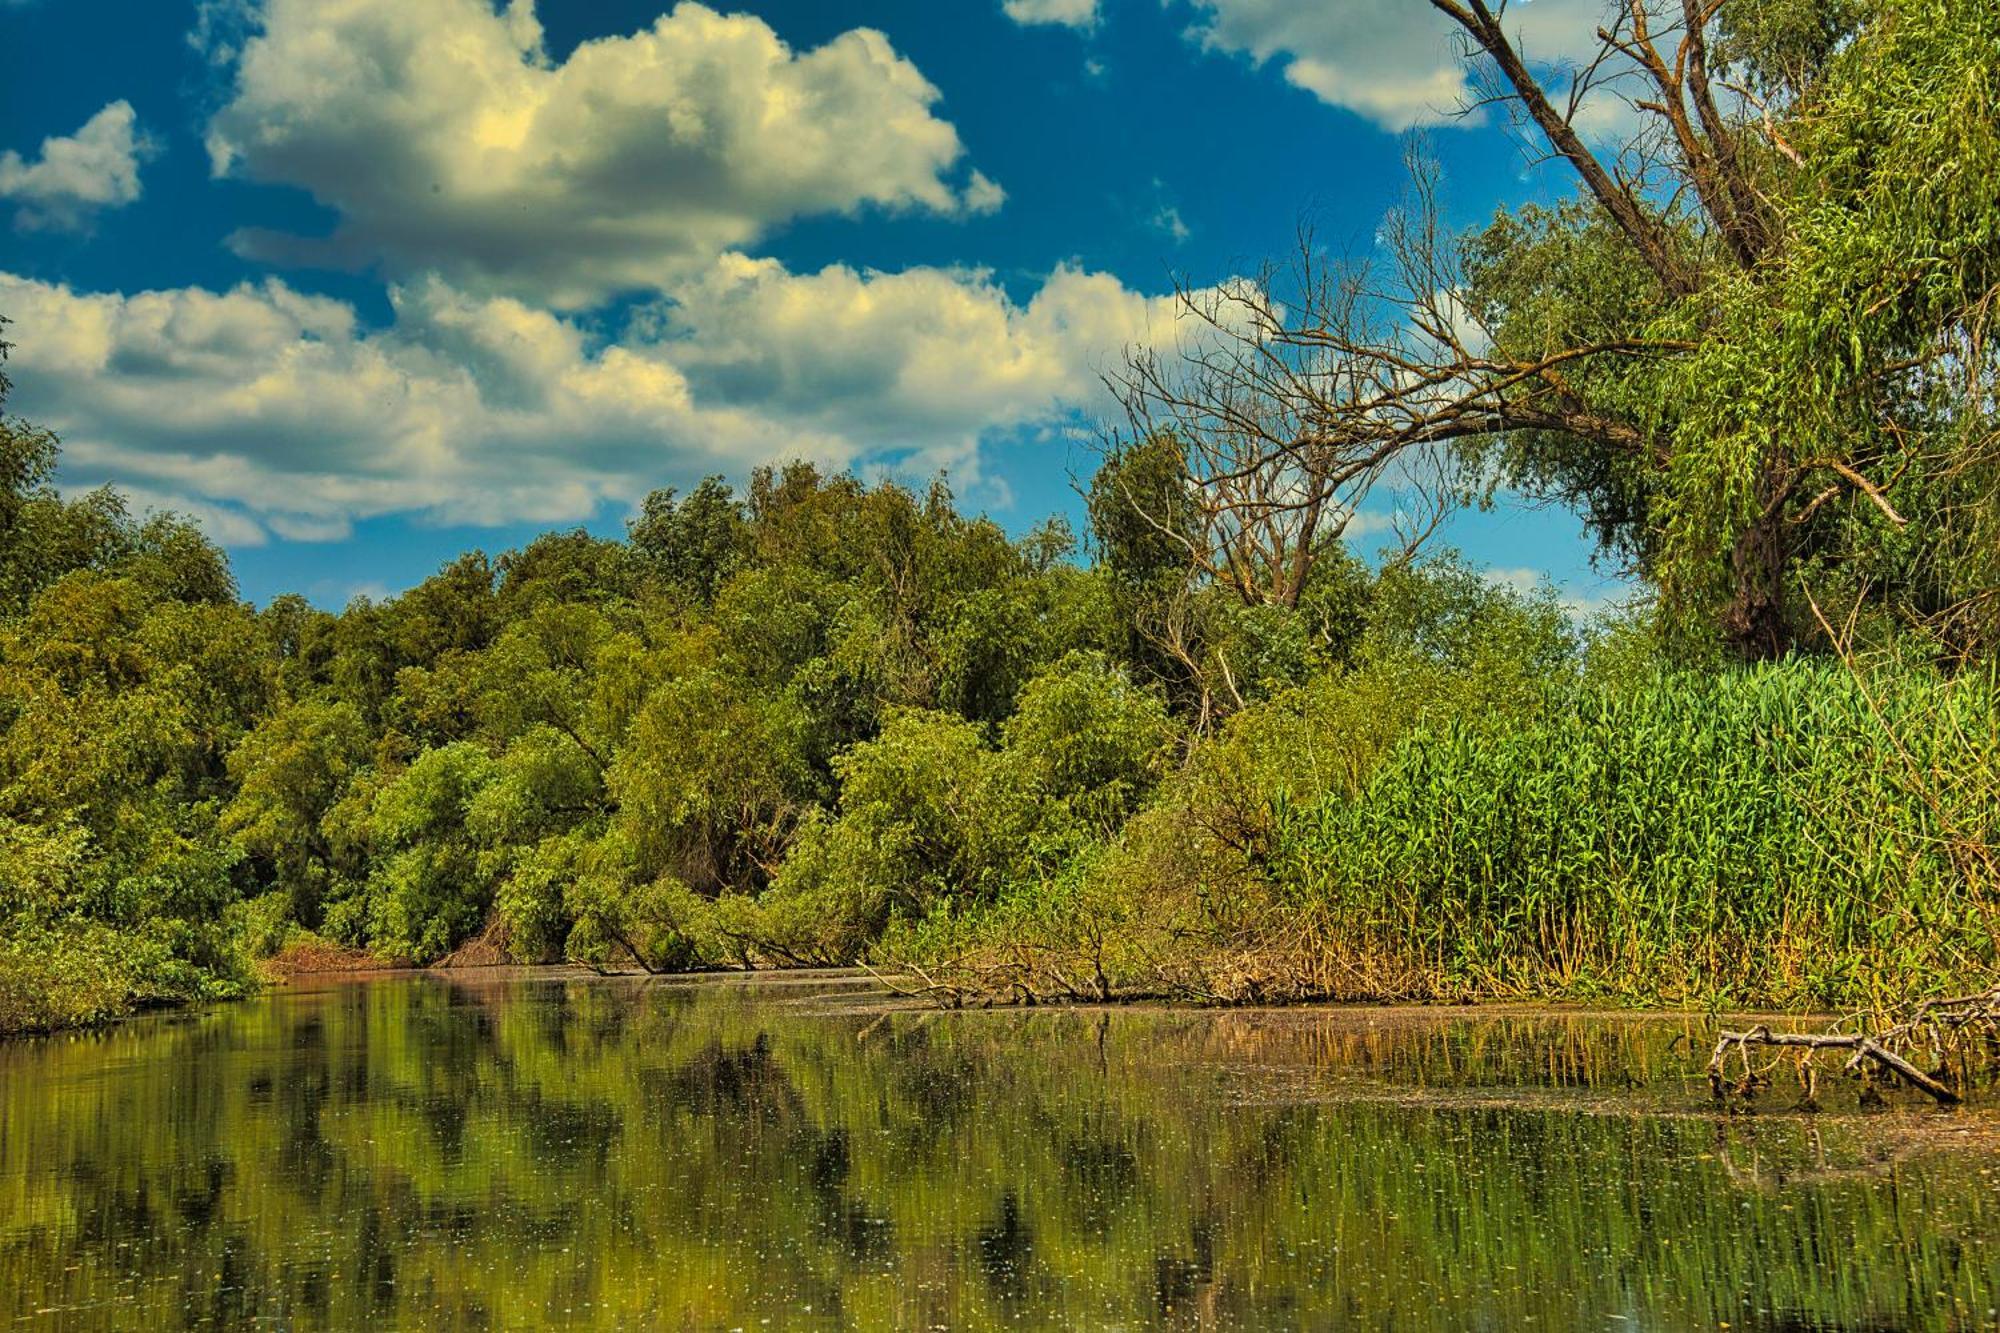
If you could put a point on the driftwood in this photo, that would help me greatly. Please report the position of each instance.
(1025, 975)
(1864, 1048)
(943, 994)
(1934, 1021)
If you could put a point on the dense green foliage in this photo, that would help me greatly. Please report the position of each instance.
(127, 675)
(1788, 401)
(1789, 834)
(888, 732)
(823, 721)
(1654, 840)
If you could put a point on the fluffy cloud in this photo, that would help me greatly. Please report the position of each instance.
(907, 361)
(1068, 13)
(447, 139)
(265, 406)
(77, 176)
(224, 524)
(1393, 61)
(261, 397)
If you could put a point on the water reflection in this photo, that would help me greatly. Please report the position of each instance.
(532, 1153)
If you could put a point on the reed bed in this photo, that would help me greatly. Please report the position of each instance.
(1793, 834)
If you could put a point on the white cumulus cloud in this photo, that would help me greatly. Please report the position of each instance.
(1068, 13)
(904, 360)
(1394, 61)
(447, 138)
(268, 406)
(77, 176)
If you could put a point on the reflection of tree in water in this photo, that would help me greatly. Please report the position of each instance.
(447, 1118)
(742, 1083)
(1100, 1175)
(109, 1213)
(862, 1235)
(375, 1263)
(1006, 1251)
(466, 1156)
(934, 1088)
(1267, 1157)
(568, 1134)
(1791, 1321)
(1180, 1279)
(1545, 1050)
(199, 1205)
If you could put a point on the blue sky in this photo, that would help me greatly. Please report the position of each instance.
(363, 283)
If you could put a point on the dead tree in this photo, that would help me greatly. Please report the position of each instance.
(1294, 394)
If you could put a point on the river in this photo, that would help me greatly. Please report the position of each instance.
(534, 1150)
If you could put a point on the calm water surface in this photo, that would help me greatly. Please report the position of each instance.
(529, 1152)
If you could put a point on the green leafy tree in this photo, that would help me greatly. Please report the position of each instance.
(1089, 739)
(1759, 384)
(710, 782)
(289, 772)
(929, 815)
(694, 542)
(430, 885)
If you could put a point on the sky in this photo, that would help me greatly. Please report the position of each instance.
(361, 284)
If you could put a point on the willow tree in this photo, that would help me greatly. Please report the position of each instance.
(1751, 350)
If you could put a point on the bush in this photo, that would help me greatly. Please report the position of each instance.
(79, 972)
(927, 814)
(66, 978)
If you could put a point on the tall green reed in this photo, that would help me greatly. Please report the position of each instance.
(1793, 834)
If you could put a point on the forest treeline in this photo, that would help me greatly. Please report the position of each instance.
(1203, 750)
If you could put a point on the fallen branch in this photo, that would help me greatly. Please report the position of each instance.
(1864, 1047)
(941, 993)
(1963, 1027)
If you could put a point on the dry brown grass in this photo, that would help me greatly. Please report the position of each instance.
(486, 949)
(305, 954)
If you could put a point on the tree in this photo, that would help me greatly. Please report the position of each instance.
(1142, 518)
(27, 463)
(568, 566)
(289, 773)
(1751, 350)
(710, 781)
(693, 543)
(1290, 398)
(429, 886)
(928, 815)
(1809, 253)
(1090, 738)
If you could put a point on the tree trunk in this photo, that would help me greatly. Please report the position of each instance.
(1754, 627)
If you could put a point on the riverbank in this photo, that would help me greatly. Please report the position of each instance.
(1798, 837)
(1965, 1071)
(1592, 1058)
(1423, 787)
